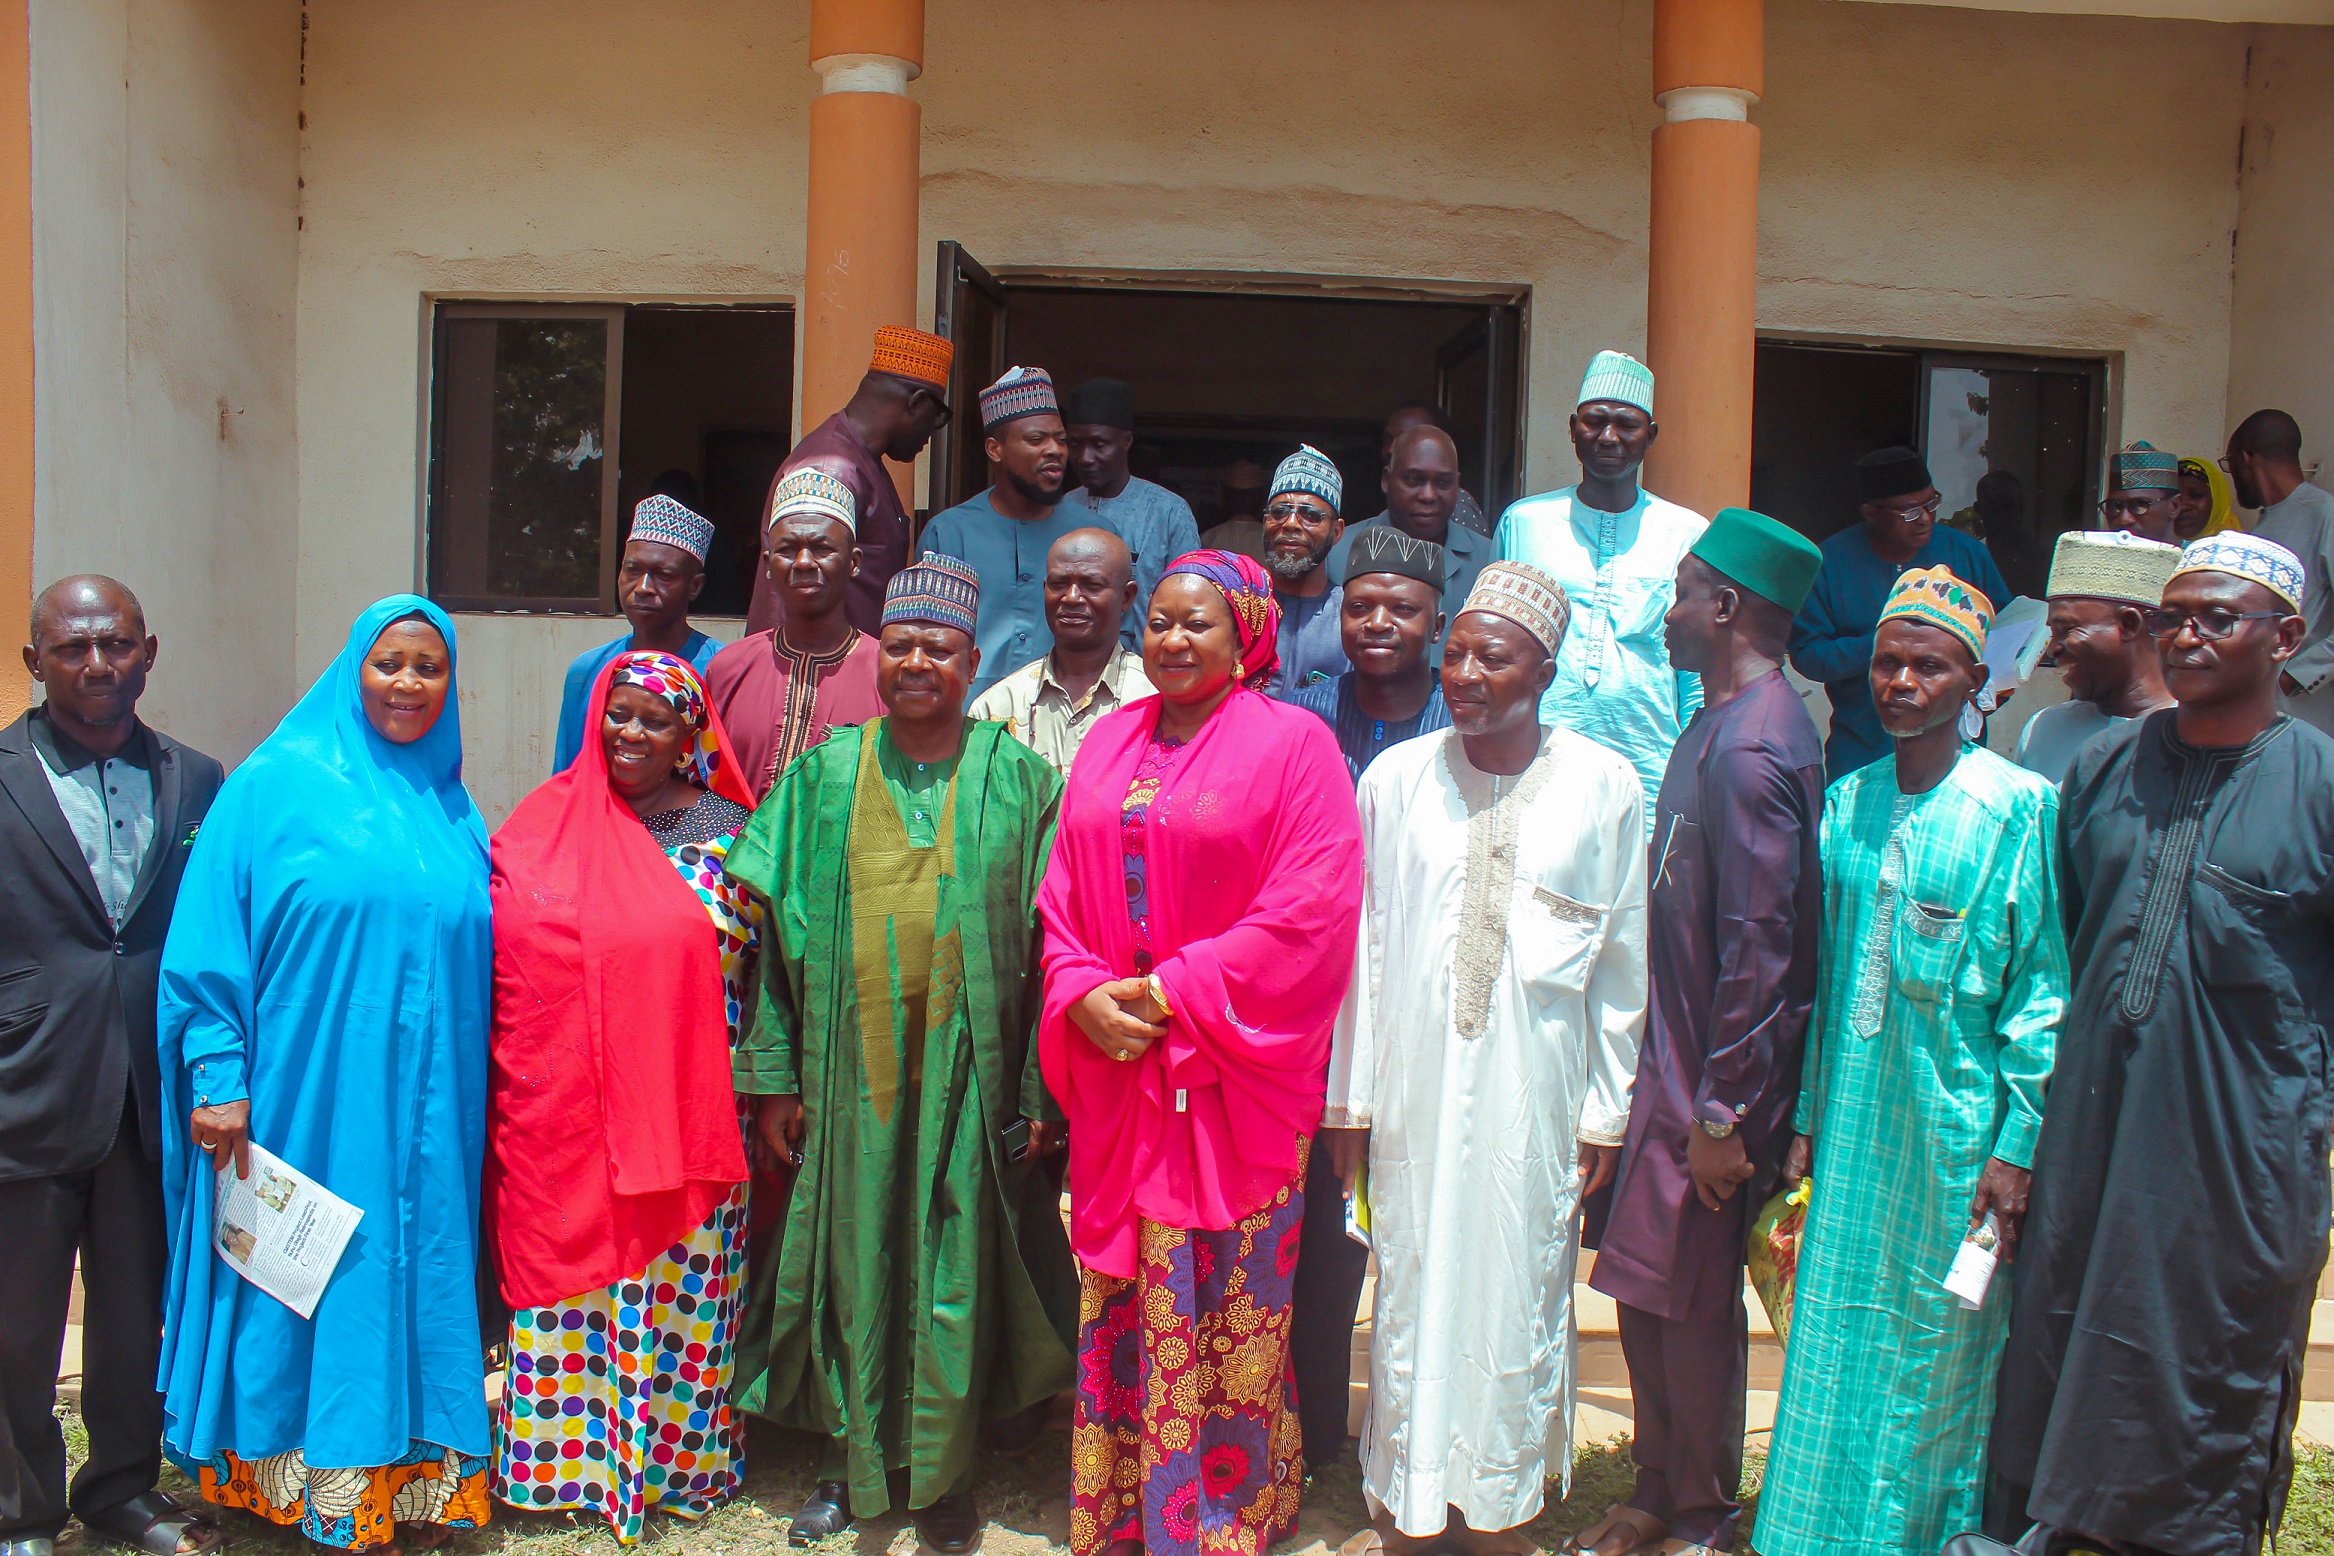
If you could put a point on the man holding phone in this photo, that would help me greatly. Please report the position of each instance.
(923, 1285)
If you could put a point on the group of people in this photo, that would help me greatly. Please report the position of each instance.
(1400, 890)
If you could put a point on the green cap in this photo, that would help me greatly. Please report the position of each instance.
(1766, 556)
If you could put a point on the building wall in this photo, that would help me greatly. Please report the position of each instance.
(2282, 328)
(1932, 175)
(166, 260)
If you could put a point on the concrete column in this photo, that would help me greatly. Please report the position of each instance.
(1709, 64)
(860, 268)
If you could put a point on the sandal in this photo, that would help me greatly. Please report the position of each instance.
(155, 1524)
(1636, 1527)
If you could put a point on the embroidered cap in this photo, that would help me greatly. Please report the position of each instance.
(669, 523)
(1521, 593)
(1023, 391)
(1933, 597)
(1381, 548)
(2143, 467)
(2249, 557)
(939, 589)
(1616, 375)
(916, 355)
(1312, 472)
(812, 490)
(2111, 565)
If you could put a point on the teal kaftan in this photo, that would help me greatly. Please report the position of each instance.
(1944, 978)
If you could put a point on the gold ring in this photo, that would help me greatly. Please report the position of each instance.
(1122, 1054)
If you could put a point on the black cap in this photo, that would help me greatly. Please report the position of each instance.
(1381, 548)
(1101, 402)
(1891, 472)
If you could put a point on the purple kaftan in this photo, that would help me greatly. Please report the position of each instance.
(1735, 908)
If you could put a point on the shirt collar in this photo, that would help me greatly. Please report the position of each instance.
(1112, 674)
(64, 754)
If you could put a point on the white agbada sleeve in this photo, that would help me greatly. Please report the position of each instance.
(1353, 1045)
(1616, 996)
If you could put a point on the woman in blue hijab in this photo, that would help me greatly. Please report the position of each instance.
(325, 994)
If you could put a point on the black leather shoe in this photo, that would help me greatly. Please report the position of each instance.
(950, 1526)
(825, 1515)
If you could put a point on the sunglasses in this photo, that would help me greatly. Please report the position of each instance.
(2212, 626)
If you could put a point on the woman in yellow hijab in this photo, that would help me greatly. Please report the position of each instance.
(2206, 505)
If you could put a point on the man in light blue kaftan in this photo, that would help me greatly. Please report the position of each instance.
(1615, 549)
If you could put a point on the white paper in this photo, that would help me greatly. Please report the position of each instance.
(2015, 642)
(279, 1229)
(1974, 1263)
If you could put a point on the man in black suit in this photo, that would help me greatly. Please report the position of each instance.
(96, 815)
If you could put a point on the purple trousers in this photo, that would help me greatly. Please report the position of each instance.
(1686, 1377)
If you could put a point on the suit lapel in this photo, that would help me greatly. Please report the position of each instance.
(166, 841)
(27, 782)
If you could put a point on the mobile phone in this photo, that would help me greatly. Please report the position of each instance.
(1016, 1138)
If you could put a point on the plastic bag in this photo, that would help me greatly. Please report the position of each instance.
(1773, 1254)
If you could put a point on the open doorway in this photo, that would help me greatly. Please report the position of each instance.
(1225, 371)
(2013, 442)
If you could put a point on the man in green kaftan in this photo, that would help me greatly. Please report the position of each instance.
(922, 1284)
(1944, 974)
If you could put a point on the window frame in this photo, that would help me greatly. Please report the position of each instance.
(443, 312)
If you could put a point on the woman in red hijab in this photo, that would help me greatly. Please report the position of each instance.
(615, 1171)
(1199, 913)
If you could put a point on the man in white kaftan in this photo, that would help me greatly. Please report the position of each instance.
(1487, 1044)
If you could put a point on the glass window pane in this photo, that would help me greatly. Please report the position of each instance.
(1959, 403)
(549, 455)
(2008, 449)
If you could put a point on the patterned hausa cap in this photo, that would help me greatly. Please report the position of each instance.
(1381, 548)
(2249, 557)
(1616, 375)
(1933, 597)
(2111, 565)
(1521, 593)
(1312, 472)
(669, 523)
(916, 355)
(812, 490)
(1023, 391)
(2143, 467)
(939, 589)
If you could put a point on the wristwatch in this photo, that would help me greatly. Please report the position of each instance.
(1715, 1131)
(1159, 995)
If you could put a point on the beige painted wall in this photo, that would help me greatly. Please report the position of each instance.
(1932, 174)
(165, 188)
(2282, 328)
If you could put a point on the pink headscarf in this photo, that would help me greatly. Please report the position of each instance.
(1252, 850)
(1247, 588)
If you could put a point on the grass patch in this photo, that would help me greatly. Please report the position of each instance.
(1027, 1503)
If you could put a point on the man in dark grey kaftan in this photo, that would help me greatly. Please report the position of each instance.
(2180, 1196)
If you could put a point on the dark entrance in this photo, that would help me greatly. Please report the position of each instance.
(1224, 373)
(2014, 443)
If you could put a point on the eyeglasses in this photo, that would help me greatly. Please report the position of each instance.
(2137, 507)
(1912, 515)
(2209, 625)
(1294, 510)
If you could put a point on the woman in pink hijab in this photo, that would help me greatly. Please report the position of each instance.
(1199, 916)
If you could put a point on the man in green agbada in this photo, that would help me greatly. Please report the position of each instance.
(923, 1283)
